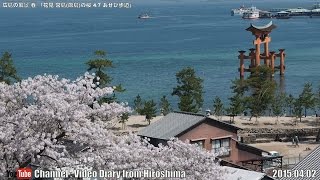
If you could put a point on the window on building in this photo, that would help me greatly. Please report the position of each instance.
(200, 143)
(221, 146)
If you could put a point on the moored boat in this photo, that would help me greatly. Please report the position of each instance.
(315, 12)
(298, 12)
(265, 14)
(282, 15)
(252, 14)
(274, 10)
(240, 11)
(144, 16)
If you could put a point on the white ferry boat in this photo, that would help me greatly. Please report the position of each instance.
(315, 12)
(283, 15)
(252, 14)
(298, 11)
(240, 11)
(144, 16)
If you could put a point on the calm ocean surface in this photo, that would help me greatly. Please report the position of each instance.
(148, 53)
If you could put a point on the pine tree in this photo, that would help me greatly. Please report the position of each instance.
(318, 98)
(289, 103)
(123, 119)
(164, 105)
(307, 98)
(150, 110)
(218, 107)
(277, 105)
(298, 107)
(8, 72)
(99, 66)
(263, 90)
(138, 104)
(189, 90)
(236, 106)
(257, 90)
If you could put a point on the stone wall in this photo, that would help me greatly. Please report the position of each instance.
(256, 135)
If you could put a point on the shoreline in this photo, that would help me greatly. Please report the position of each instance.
(137, 122)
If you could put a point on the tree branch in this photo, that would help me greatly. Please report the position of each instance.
(44, 155)
(27, 162)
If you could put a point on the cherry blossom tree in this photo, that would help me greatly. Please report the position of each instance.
(39, 115)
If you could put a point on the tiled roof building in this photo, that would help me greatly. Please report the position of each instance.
(211, 134)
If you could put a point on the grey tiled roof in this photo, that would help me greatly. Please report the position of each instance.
(171, 125)
(239, 174)
(310, 163)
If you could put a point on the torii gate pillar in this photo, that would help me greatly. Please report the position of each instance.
(262, 36)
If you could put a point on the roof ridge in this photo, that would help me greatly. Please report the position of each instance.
(189, 113)
(220, 121)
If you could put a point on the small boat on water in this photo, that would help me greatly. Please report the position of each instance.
(254, 13)
(275, 10)
(265, 14)
(315, 12)
(298, 12)
(282, 15)
(144, 16)
(240, 11)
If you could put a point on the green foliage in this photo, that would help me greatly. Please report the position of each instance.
(289, 103)
(237, 101)
(186, 104)
(150, 110)
(99, 66)
(138, 104)
(236, 105)
(8, 73)
(318, 98)
(123, 119)
(100, 53)
(278, 104)
(239, 87)
(298, 108)
(307, 98)
(189, 90)
(119, 88)
(262, 89)
(257, 90)
(164, 105)
(218, 108)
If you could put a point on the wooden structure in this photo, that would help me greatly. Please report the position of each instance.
(262, 36)
(265, 162)
(210, 134)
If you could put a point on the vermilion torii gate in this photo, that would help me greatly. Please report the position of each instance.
(261, 34)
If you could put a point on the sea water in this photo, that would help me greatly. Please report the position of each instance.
(148, 53)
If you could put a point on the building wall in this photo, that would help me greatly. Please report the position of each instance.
(206, 130)
(237, 155)
(244, 155)
(233, 153)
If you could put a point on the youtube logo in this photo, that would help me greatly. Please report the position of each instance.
(24, 173)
